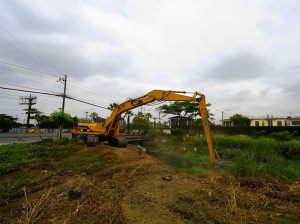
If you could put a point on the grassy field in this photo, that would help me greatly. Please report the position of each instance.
(44, 155)
(63, 182)
(239, 155)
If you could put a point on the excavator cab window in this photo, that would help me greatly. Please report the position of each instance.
(122, 124)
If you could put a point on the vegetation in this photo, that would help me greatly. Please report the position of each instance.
(7, 122)
(243, 155)
(94, 116)
(112, 106)
(12, 157)
(183, 109)
(240, 120)
(141, 122)
(8, 191)
(63, 184)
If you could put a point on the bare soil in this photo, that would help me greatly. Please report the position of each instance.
(129, 187)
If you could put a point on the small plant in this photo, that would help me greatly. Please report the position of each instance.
(229, 153)
(290, 150)
(282, 136)
(11, 190)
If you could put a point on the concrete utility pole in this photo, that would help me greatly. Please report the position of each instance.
(223, 112)
(64, 81)
(30, 101)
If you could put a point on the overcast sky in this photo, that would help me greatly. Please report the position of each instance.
(243, 55)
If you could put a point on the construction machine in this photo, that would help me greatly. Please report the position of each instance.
(110, 131)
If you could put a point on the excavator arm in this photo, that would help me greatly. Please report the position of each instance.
(112, 122)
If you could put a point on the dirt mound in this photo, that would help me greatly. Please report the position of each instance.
(109, 185)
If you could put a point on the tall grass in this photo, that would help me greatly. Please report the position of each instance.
(245, 155)
(15, 155)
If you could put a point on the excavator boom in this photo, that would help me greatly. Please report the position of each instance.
(112, 128)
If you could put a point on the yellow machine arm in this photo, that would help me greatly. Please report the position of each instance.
(112, 122)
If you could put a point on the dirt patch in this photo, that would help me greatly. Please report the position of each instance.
(109, 185)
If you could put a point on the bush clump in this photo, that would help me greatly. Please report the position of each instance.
(282, 136)
(290, 150)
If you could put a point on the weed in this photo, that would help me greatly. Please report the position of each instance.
(282, 136)
(14, 156)
(290, 150)
(10, 190)
(247, 156)
(34, 210)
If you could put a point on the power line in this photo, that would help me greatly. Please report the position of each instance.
(95, 105)
(20, 50)
(21, 66)
(26, 87)
(30, 71)
(31, 50)
(52, 94)
(93, 90)
(29, 91)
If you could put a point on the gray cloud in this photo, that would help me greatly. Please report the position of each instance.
(127, 48)
(241, 66)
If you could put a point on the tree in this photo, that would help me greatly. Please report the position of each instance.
(60, 117)
(46, 122)
(94, 116)
(7, 122)
(128, 114)
(184, 109)
(112, 106)
(37, 115)
(141, 122)
(240, 120)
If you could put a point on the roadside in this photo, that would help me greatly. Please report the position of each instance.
(104, 184)
(11, 138)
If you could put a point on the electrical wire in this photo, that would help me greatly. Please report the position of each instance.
(24, 67)
(27, 47)
(51, 94)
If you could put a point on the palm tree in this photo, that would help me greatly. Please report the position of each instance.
(94, 116)
(112, 106)
(128, 114)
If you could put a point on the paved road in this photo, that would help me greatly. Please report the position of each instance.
(10, 138)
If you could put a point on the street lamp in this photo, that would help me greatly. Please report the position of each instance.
(223, 112)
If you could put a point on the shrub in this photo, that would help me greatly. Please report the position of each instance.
(229, 153)
(177, 132)
(282, 136)
(290, 150)
(260, 133)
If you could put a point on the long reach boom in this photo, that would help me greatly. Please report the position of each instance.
(111, 129)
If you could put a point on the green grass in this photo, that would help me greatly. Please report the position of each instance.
(245, 155)
(14, 156)
(11, 190)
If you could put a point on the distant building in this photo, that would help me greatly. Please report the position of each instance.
(294, 121)
(227, 122)
(269, 121)
(181, 122)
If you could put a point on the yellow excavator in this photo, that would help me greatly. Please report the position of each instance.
(110, 131)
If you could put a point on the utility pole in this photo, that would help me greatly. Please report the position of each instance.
(30, 101)
(86, 115)
(64, 81)
(223, 112)
(159, 117)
